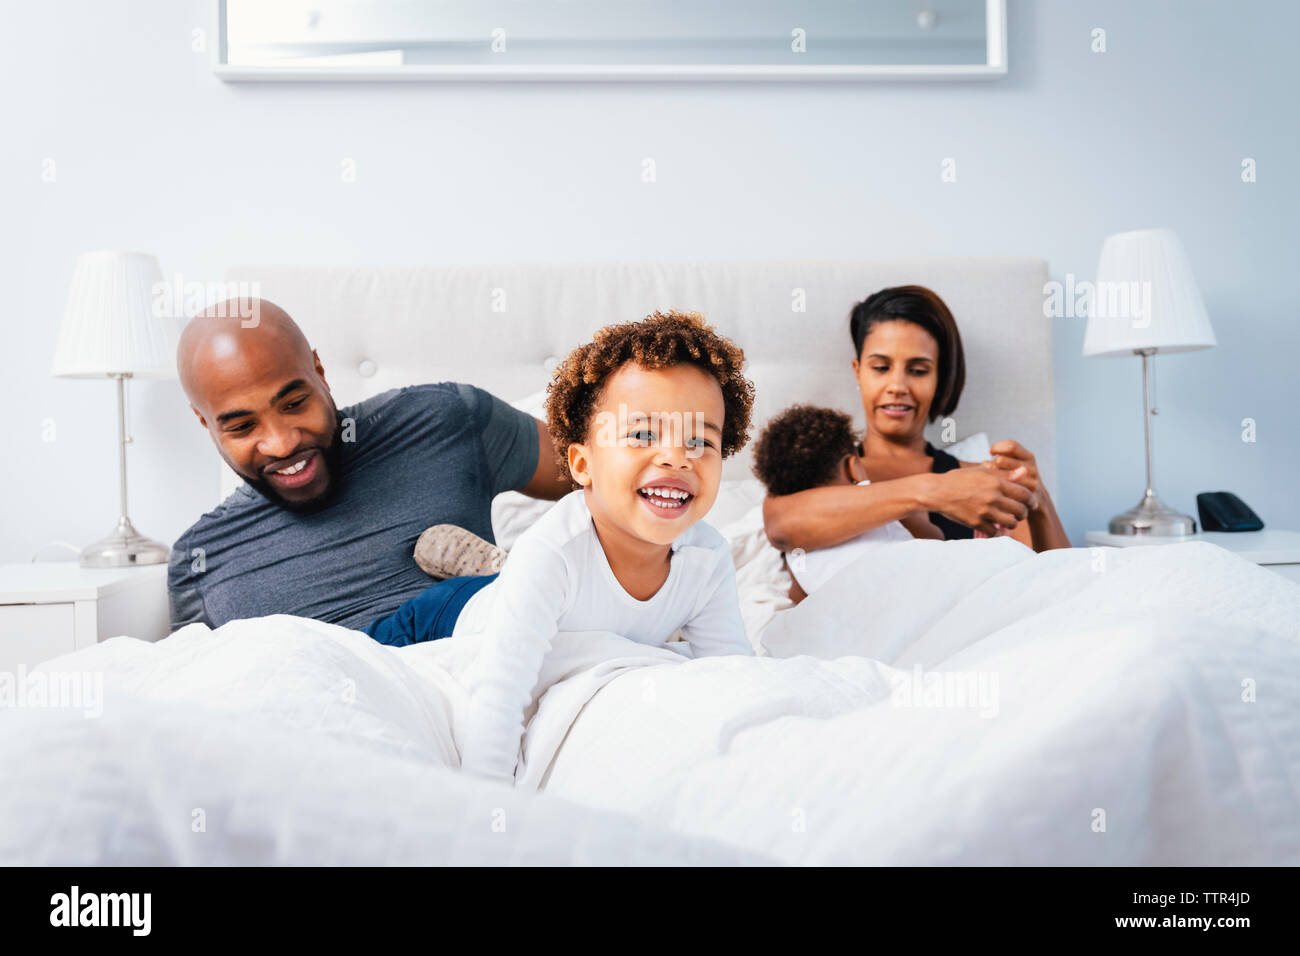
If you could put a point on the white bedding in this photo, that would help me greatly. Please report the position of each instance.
(1119, 689)
(280, 740)
(1112, 687)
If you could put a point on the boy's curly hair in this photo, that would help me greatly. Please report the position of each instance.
(658, 341)
(802, 447)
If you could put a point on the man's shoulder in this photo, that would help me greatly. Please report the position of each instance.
(433, 404)
(407, 396)
(240, 501)
(194, 542)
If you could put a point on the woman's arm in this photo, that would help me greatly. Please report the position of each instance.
(824, 517)
(1044, 525)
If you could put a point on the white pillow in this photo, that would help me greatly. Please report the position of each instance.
(514, 513)
(736, 498)
(974, 448)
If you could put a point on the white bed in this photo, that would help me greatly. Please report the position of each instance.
(936, 702)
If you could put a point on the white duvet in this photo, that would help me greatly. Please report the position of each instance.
(280, 740)
(935, 702)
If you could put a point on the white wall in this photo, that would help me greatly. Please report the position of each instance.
(152, 152)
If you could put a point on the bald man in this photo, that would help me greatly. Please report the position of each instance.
(334, 499)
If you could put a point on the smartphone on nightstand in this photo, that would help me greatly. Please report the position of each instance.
(1224, 511)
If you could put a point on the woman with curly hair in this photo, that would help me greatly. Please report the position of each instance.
(645, 413)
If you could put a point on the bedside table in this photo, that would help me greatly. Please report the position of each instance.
(1276, 550)
(56, 607)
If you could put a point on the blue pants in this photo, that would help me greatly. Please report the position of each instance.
(429, 615)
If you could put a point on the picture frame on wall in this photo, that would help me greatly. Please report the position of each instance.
(596, 40)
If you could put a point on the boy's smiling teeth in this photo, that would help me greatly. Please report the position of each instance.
(665, 497)
(293, 469)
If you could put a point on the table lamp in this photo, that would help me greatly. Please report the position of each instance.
(1145, 301)
(110, 330)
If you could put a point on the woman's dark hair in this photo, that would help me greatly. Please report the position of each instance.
(802, 447)
(921, 307)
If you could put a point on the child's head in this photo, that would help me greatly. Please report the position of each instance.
(645, 414)
(805, 447)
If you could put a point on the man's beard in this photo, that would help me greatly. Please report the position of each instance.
(331, 458)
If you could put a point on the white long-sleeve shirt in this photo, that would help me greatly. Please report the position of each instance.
(557, 578)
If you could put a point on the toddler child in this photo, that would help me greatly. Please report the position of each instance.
(810, 447)
(643, 416)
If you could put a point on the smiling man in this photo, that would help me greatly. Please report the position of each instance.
(334, 498)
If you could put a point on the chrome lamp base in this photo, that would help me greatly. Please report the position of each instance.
(125, 547)
(1152, 518)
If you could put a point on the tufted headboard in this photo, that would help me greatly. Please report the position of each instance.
(503, 328)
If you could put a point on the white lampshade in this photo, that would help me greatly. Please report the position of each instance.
(110, 325)
(1145, 297)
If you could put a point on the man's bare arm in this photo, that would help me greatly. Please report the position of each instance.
(548, 482)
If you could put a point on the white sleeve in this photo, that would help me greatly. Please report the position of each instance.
(528, 600)
(718, 627)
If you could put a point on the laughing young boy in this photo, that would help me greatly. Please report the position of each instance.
(645, 413)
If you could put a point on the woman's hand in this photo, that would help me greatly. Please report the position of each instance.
(981, 498)
(1020, 466)
(1015, 462)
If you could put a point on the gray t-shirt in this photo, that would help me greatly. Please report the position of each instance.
(423, 455)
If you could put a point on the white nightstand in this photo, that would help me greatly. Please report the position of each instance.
(1276, 550)
(56, 607)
